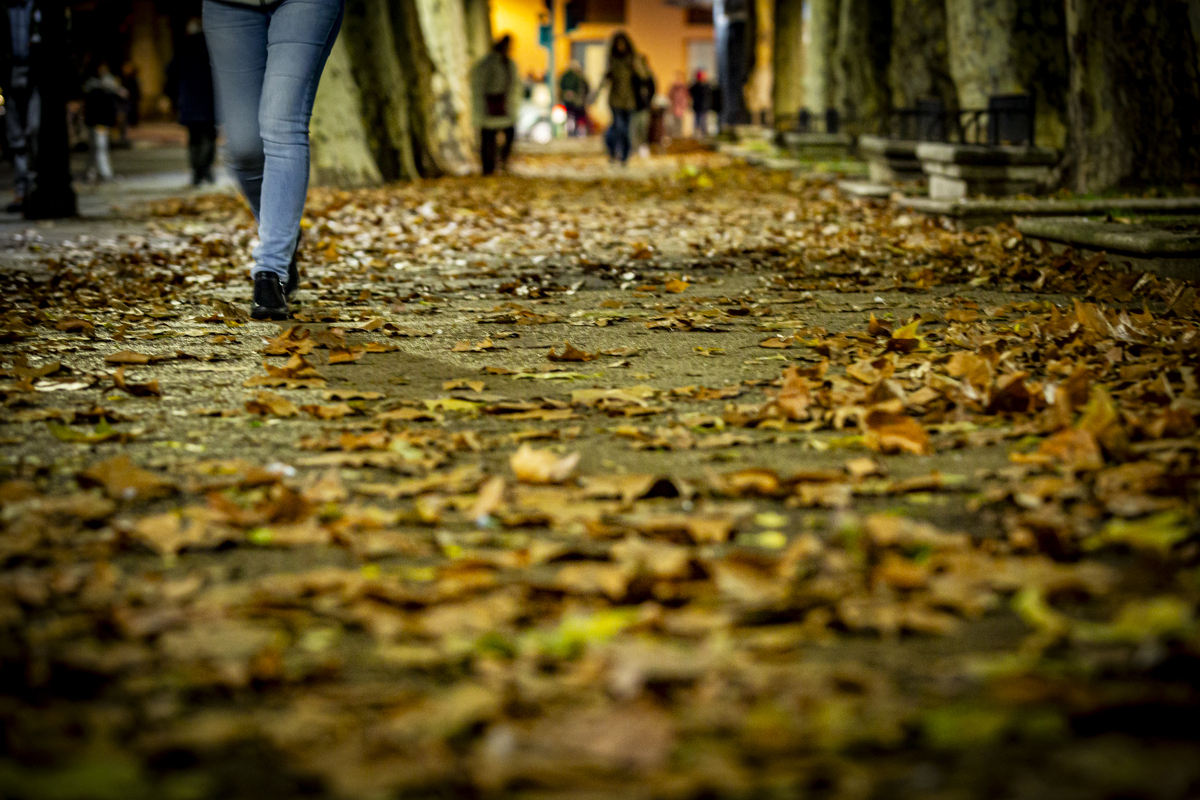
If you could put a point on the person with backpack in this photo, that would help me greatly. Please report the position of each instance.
(267, 59)
(101, 94)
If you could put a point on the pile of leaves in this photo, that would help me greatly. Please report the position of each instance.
(636, 484)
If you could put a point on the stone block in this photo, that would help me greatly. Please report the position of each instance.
(967, 170)
(891, 160)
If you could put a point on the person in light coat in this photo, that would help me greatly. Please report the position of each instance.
(497, 93)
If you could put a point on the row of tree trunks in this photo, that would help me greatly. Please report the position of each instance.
(1134, 103)
(394, 103)
(760, 86)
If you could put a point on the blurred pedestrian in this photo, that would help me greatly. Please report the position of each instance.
(679, 99)
(267, 60)
(645, 89)
(621, 80)
(497, 94)
(702, 101)
(132, 107)
(20, 47)
(573, 90)
(189, 84)
(101, 94)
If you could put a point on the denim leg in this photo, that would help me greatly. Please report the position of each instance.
(620, 127)
(237, 48)
(299, 38)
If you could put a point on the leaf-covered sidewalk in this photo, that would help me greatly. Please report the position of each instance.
(685, 482)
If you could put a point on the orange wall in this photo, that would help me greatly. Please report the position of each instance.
(658, 30)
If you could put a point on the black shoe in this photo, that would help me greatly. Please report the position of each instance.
(269, 302)
(293, 281)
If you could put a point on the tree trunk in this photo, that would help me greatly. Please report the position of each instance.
(788, 86)
(861, 64)
(1134, 103)
(1040, 44)
(759, 87)
(449, 128)
(52, 196)
(818, 66)
(920, 67)
(981, 48)
(477, 15)
(404, 64)
(341, 151)
(383, 85)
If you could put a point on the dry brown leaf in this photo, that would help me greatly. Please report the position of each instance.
(542, 466)
(886, 432)
(270, 403)
(121, 479)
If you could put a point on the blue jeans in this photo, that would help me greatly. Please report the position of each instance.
(266, 64)
(616, 138)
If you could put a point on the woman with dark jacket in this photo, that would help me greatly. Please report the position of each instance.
(267, 59)
(622, 81)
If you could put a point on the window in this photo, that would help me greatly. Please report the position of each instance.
(605, 11)
(698, 15)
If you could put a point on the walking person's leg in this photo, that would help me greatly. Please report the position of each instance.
(18, 146)
(237, 49)
(510, 136)
(194, 145)
(622, 121)
(100, 161)
(487, 150)
(272, 58)
(208, 151)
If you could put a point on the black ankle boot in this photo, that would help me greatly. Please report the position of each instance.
(269, 300)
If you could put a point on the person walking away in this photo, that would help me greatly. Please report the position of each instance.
(573, 89)
(267, 60)
(101, 94)
(20, 46)
(645, 90)
(497, 95)
(131, 107)
(621, 80)
(678, 99)
(189, 83)
(702, 101)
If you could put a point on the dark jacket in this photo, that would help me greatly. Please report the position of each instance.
(189, 82)
(702, 97)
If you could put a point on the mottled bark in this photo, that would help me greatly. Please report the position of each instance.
(788, 87)
(341, 152)
(448, 126)
(1040, 43)
(477, 16)
(861, 59)
(819, 53)
(1011, 46)
(920, 67)
(981, 49)
(383, 83)
(1134, 102)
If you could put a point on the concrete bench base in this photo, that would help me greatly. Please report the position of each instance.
(891, 160)
(1139, 247)
(968, 170)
